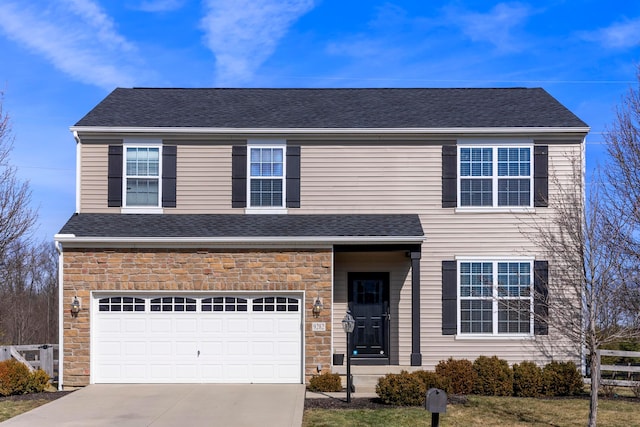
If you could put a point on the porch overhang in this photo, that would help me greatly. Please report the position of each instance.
(239, 231)
(414, 253)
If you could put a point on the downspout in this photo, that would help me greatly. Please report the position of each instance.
(78, 148)
(583, 350)
(60, 315)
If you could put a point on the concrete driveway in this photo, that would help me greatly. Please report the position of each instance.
(172, 405)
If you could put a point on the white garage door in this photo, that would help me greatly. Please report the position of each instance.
(187, 339)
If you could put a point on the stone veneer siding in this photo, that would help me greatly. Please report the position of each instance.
(87, 270)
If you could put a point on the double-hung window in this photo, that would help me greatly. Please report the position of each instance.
(495, 297)
(266, 176)
(495, 176)
(142, 176)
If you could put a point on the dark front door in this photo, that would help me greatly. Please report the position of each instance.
(369, 304)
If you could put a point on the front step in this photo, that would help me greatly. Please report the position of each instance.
(365, 378)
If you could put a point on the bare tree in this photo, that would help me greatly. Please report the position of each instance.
(28, 296)
(588, 266)
(16, 215)
(623, 174)
(19, 281)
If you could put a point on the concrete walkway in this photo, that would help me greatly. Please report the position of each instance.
(184, 405)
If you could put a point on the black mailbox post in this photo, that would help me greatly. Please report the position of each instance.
(436, 403)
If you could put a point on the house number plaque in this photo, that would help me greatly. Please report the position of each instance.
(318, 326)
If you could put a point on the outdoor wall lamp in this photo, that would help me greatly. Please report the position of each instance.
(348, 324)
(317, 307)
(75, 307)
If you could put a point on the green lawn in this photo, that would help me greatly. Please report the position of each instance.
(11, 408)
(493, 411)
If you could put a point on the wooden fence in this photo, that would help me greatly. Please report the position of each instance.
(627, 370)
(44, 356)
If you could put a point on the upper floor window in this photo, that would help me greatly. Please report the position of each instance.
(266, 177)
(495, 297)
(498, 176)
(142, 176)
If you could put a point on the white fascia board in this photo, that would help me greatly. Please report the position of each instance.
(304, 241)
(329, 131)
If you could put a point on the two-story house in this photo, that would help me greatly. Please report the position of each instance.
(220, 235)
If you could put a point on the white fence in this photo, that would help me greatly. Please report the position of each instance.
(44, 356)
(626, 370)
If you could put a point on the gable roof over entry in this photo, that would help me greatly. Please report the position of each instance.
(330, 109)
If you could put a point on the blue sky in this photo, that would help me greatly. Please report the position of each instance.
(59, 58)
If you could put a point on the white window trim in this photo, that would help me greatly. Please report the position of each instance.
(141, 143)
(495, 298)
(494, 145)
(267, 143)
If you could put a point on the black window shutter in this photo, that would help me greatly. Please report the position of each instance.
(449, 176)
(114, 176)
(541, 295)
(169, 176)
(293, 176)
(541, 175)
(239, 176)
(449, 297)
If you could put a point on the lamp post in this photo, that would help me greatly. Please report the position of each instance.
(348, 324)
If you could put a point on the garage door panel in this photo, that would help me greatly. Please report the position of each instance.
(134, 325)
(237, 348)
(186, 325)
(187, 346)
(108, 348)
(211, 348)
(263, 326)
(188, 349)
(237, 326)
(160, 325)
(161, 349)
(263, 348)
(109, 326)
(211, 325)
(134, 349)
(289, 325)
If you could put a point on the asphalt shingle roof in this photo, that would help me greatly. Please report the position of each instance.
(231, 225)
(330, 108)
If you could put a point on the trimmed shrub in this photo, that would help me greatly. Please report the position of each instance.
(459, 374)
(527, 379)
(326, 382)
(403, 389)
(562, 379)
(432, 380)
(38, 381)
(14, 377)
(494, 376)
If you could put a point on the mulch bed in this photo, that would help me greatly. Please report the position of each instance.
(360, 403)
(52, 395)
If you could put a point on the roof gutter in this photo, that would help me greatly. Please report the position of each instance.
(297, 241)
(328, 131)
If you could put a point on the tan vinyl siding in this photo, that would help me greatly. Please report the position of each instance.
(203, 180)
(378, 177)
(347, 183)
(93, 178)
(368, 178)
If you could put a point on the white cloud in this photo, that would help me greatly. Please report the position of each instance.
(242, 34)
(76, 36)
(160, 5)
(494, 27)
(620, 35)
